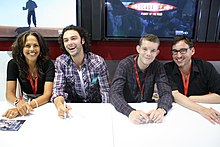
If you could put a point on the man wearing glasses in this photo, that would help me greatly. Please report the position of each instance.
(193, 80)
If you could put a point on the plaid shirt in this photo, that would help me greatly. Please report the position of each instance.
(67, 81)
(125, 89)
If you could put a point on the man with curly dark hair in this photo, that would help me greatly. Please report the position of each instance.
(80, 75)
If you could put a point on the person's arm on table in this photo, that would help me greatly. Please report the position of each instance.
(208, 113)
(211, 98)
(117, 97)
(11, 113)
(43, 99)
(48, 87)
(118, 101)
(58, 94)
(22, 107)
(165, 96)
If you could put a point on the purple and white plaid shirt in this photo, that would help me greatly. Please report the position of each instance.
(67, 81)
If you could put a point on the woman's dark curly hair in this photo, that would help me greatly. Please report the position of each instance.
(18, 56)
(82, 33)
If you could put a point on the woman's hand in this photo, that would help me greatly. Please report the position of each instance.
(11, 113)
(24, 108)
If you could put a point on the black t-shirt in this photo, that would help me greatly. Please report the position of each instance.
(13, 75)
(203, 78)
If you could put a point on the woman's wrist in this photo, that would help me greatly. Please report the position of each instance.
(34, 103)
(16, 102)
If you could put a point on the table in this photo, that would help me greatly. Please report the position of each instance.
(180, 128)
(90, 126)
(100, 125)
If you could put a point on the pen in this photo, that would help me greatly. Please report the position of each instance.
(29, 104)
(65, 113)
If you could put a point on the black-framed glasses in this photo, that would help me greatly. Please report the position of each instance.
(182, 51)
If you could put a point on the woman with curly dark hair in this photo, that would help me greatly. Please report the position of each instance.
(32, 67)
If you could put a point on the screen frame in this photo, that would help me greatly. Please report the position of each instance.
(199, 14)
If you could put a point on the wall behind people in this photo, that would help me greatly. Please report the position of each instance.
(5, 56)
(117, 50)
(113, 51)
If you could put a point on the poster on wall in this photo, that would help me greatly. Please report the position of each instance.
(47, 17)
(164, 18)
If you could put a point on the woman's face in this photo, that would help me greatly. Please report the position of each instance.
(31, 49)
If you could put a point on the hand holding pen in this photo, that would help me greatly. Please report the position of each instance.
(139, 117)
(67, 112)
(24, 108)
(63, 111)
(62, 108)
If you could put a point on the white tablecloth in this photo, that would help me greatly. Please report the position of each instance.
(100, 125)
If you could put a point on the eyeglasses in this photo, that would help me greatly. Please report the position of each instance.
(182, 51)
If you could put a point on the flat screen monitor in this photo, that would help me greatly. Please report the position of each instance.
(45, 16)
(130, 19)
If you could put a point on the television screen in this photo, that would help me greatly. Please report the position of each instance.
(44, 16)
(164, 18)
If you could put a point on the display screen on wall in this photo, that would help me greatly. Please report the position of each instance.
(164, 18)
(45, 16)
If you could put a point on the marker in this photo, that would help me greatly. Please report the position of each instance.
(65, 113)
(29, 104)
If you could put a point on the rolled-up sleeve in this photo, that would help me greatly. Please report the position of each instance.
(59, 81)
